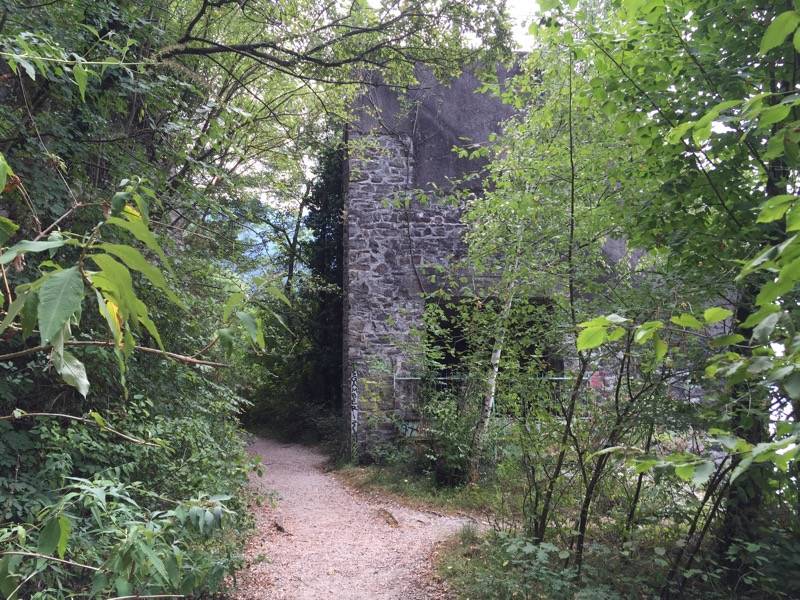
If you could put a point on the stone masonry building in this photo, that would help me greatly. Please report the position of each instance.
(397, 144)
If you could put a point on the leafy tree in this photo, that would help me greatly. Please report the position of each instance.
(152, 160)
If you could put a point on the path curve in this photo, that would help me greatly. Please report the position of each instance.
(322, 540)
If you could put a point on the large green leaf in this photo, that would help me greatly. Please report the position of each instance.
(81, 76)
(13, 310)
(48, 538)
(115, 279)
(151, 328)
(7, 229)
(8, 579)
(136, 261)
(64, 528)
(252, 327)
(5, 171)
(716, 314)
(28, 246)
(234, 301)
(687, 320)
(784, 24)
(72, 371)
(141, 233)
(591, 337)
(29, 314)
(59, 298)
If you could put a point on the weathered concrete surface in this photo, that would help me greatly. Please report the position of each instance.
(392, 241)
(434, 118)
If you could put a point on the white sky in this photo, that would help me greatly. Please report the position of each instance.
(521, 12)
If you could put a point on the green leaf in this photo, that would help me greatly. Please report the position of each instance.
(615, 334)
(234, 301)
(591, 337)
(278, 294)
(762, 313)
(64, 528)
(8, 580)
(151, 329)
(727, 340)
(660, 349)
(226, 339)
(774, 208)
(685, 471)
(7, 227)
(793, 216)
(28, 246)
(647, 330)
(601, 321)
(13, 310)
(773, 114)
(173, 570)
(687, 320)
(5, 171)
(763, 330)
(252, 327)
(115, 279)
(784, 24)
(702, 472)
(72, 371)
(716, 314)
(49, 536)
(136, 261)
(154, 560)
(30, 314)
(81, 76)
(141, 233)
(677, 133)
(792, 386)
(59, 298)
(118, 202)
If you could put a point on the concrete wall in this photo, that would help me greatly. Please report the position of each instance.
(399, 144)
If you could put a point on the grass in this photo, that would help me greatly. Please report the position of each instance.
(418, 490)
(459, 561)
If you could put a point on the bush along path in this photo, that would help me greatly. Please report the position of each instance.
(321, 540)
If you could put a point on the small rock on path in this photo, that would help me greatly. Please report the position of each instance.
(323, 541)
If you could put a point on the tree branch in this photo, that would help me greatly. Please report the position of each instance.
(177, 357)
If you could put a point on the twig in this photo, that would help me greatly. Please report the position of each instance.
(156, 596)
(82, 420)
(5, 285)
(207, 347)
(21, 583)
(52, 225)
(53, 558)
(177, 357)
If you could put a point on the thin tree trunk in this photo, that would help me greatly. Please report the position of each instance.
(293, 253)
(637, 494)
(491, 381)
(486, 410)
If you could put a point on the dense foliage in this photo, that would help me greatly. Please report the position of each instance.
(154, 174)
(621, 372)
(640, 222)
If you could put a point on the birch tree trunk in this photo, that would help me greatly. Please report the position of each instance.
(491, 381)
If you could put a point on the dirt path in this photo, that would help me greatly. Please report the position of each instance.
(334, 543)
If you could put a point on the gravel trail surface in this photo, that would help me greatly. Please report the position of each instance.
(323, 540)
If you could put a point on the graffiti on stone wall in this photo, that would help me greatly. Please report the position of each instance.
(354, 409)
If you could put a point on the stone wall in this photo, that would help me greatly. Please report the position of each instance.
(392, 241)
